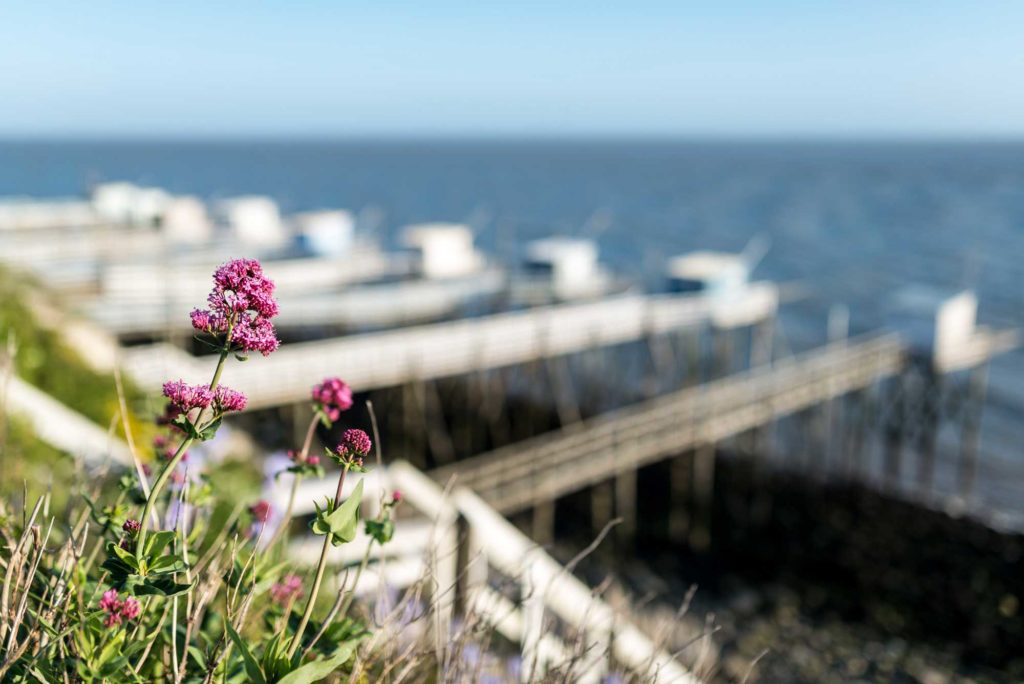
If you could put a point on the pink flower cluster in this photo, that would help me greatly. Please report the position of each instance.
(354, 446)
(185, 397)
(131, 526)
(242, 301)
(333, 396)
(118, 610)
(227, 399)
(260, 511)
(296, 457)
(285, 590)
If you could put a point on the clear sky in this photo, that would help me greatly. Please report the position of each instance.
(760, 68)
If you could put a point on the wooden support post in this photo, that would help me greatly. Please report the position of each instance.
(970, 430)
(703, 495)
(560, 381)
(662, 364)
(893, 445)
(533, 664)
(601, 503)
(472, 568)
(931, 406)
(679, 498)
(762, 336)
(496, 409)
(853, 443)
(412, 420)
(543, 523)
(434, 425)
(723, 352)
(444, 560)
(625, 507)
(692, 354)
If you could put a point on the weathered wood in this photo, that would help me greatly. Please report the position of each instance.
(394, 357)
(971, 430)
(625, 508)
(566, 461)
(703, 495)
(679, 498)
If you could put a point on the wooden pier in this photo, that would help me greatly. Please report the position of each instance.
(428, 352)
(550, 466)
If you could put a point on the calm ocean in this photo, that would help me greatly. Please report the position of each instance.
(852, 221)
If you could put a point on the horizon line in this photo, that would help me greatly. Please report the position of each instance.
(8, 137)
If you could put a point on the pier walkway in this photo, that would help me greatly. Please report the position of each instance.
(391, 358)
(542, 469)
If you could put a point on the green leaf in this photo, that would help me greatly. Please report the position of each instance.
(381, 530)
(318, 669)
(157, 542)
(252, 668)
(185, 425)
(161, 586)
(210, 430)
(341, 523)
(198, 656)
(167, 565)
(112, 648)
(123, 555)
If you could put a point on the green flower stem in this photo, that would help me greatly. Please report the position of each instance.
(165, 474)
(321, 566)
(296, 481)
(355, 583)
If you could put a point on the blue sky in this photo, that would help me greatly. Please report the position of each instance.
(759, 68)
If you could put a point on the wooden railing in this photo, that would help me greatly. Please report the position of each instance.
(427, 352)
(552, 465)
(462, 541)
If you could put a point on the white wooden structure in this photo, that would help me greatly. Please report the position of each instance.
(328, 232)
(443, 250)
(254, 221)
(547, 467)
(431, 544)
(567, 268)
(394, 357)
(706, 271)
(61, 427)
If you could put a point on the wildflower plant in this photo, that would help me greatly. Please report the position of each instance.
(157, 585)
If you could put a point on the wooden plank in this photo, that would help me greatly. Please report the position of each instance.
(554, 465)
(393, 357)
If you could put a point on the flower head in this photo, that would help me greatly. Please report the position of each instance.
(255, 334)
(118, 610)
(396, 496)
(332, 396)
(354, 446)
(184, 397)
(296, 457)
(131, 526)
(288, 588)
(260, 511)
(242, 302)
(227, 399)
(131, 608)
(109, 601)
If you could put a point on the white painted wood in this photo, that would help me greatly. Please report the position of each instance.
(426, 352)
(552, 465)
(61, 427)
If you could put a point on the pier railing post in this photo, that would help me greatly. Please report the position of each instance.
(970, 430)
(703, 495)
(625, 507)
(893, 436)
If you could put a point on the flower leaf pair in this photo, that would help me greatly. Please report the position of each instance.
(340, 523)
